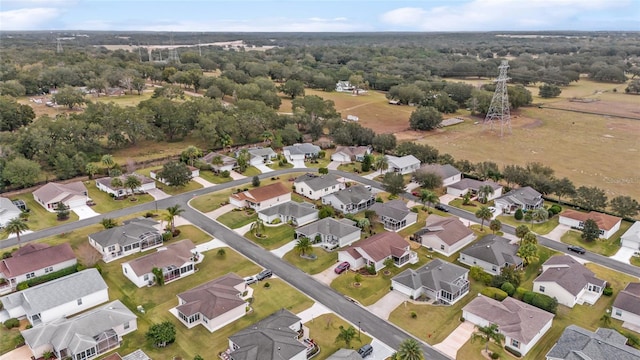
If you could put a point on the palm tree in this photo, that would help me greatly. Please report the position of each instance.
(257, 227)
(91, 169)
(267, 136)
(116, 183)
(428, 197)
(132, 182)
(226, 140)
(217, 161)
(487, 333)
(529, 238)
(108, 223)
(346, 335)
(107, 160)
(495, 225)
(303, 246)
(16, 226)
(483, 214)
(540, 215)
(521, 231)
(381, 163)
(528, 252)
(409, 349)
(484, 192)
(172, 212)
(191, 153)
(243, 160)
(364, 224)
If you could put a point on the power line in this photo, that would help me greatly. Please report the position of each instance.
(499, 108)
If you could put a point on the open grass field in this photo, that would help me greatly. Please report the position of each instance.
(324, 329)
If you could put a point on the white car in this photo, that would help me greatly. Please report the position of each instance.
(492, 209)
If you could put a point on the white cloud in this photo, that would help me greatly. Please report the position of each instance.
(26, 19)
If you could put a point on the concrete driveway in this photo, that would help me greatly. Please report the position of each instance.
(328, 275)
(624, 255)
(203, 182)
(236, 176)
(21, 353)
(380, 350)
(158, 194)
(557, 232)
(456, 339)
(334, 165)
(263, 168)
(84, 212)
(383, 307)
(298, 164)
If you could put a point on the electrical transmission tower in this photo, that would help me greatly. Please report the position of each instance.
(58, 46)
(173, 54)
(499, 108)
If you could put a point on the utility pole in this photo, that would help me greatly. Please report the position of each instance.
(59, 49)
(499, 108)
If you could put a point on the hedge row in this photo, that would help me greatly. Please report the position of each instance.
(494, 293)
(541, 301)
(48, 277)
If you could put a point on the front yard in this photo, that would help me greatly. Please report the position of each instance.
(39, 218)
(472, 207)
(105, 203)
(324, 329)
(354, 167)
(312, 266)
(539, 228)
(237, 218)
(211, 177)
(603, 247)
(272, 237)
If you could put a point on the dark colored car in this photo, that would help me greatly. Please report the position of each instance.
(441, 208)
(342, 267)
(578, 249)
(365, 350)
(264, 274)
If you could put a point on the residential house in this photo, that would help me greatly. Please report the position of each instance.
(135, 235)
(316, 186)
(471, 186)
(262, 197)
(330, 233)
(157, 175)
(8, 211)
(608, 224)
(34, 260)
(373, 251)
(226, 163)
(524, 198)
(350, 153)
(568, 281)
(626, 306)
(105, 184)
(300, 151)
(260, 155)
(522, 325)
(280, 336)
(344, 86)
(446, 172)
(85, 336)
(213, 304)
(175, 261)
(350, 200)
(631, 237)
(296, 213)
(492, 253)
(445, 235)
(57, 298)
(403, 165)
(71, 195)
(394, 215)
(438, 280)
(577, 343)
(345, 354)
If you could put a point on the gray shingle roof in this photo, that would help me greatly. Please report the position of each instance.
(130, 232)
(435, 275)
(328, 226)
(175, 254)
(394, 209)
(213, 298)
(577, 343)
(629, 299)
(304, 148)
(262, 152)
(403, 161)
(345, 354)
(444, 171)
(290, 208)
(449, 229)
(473, 184)
(353, 195)
(568, 273)
(106, 181)
(317, 182)
(524, 195)
(7, 207)
(495, 250)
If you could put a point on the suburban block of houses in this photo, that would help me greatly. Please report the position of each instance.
(176, 261)
(296, 213)
(301, 151)
(404, 164)
(105, 184)
(85, 336)
(568, 281)
(522, 325)
(8, 211)
(577, 343)
(220, 162)
(438, 280)
(157, 175)
(34, 260)
(135, 235)
(447, 173)
(373, 251)
(330, 233)
(608, 224)
(631, 237)
(71, 195)
(394, 215)
(524, 198)
(57, 298)
(350, 153)
(471, 186)
(351, 200)
(214, 304)
(262, 197)
(626, 306)
(492, 253)
(445, 235)
(315, 186)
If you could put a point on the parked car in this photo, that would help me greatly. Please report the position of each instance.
(250, 280)
(342, 267)
(266, 273)
(365, 350)
(577, 249)
(441, 208)
(492, 209)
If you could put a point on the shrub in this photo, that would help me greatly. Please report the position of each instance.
(494, 293)
(476, 273)
(255, 181)
(508, 288)
(513, 352)
(379, 199)
(518, 215)
(556, 208)
(267, 285)
(48, 277)
(495, 355)
(607, 291)
(415, 209)
(486, 279)
(225, 173)
(276, 221)
(12, 323)
(414, 315)
(6, 255)
(371, 270)
(22, 286)
(541, 301)
(166, 236)
(148, 214)
(520, 293)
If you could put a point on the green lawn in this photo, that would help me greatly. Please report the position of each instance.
(322, 262)
(319, 163)
(542, 229)
(105, 203)
(192, 233)
(472, 207)
(354, 167)
(324, 329)
(275, 165)
(602, 247)
(635, 261)
(273, 237)
(251, 171)
(210, 202)
(531, 271)
(39, 218)
(176, 190)
(213, 178)
(237, 218)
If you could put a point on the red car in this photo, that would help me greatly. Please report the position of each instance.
(342, 267)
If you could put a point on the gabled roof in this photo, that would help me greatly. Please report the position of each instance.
(633, 233)
(449, 230)
(262, 152)
(568, 273)
(495, 250)
(268, 339)
(132, 231)
(300, 149)
(629, 299)
(213, 298)
(473, 184)
(262, 193)
(352, 151)
(317, 182)
(106, 181)
(524, 195)
(226, 160)
(379, 246)
(352, 195)
(436, 275)
(329, 226)
(604, 221)
(394, 209)
(23, 263)
(345, 354)
(80, 332)
(402, 162)
(56, 292)
(175, 254)
(290, 208)
(514, 318)
(54, 192)
(7, 207)
(444, 171)
(577, 343)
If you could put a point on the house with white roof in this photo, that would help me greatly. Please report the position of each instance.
(446, 172)
(403, 165)
(300, 151)
(71, 195)
(135, 235)
(8, 211)
(314, 186)
(105, 184)
(631, 237)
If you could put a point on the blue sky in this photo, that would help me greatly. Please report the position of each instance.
(320, 15)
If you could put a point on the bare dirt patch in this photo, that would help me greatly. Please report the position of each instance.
(610, 108)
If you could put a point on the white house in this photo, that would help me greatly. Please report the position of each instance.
(524, 198)
(577, 343)
(394, 215)
(445, 235)
(466, 185)
(315, 186)
(71, 195)
(523, 325)
(350, 200)
(57, 298)
(135, 235)
(608, 224)
(213, 304)
(261, 155)
(220, 162)
(34, 260)
(330, 233)
(403, 165)
(296, 213)
(85, 336)
(631, 237)
(300, 151)
(105, 184)
(175, 261)
(492, 253)
(157, 175)
(8, 211)
(568, 281)
(626, 306)
(344, 86)
(373, 251)
(439, 280)
(261, 198)
(446, 172)
(350, 153)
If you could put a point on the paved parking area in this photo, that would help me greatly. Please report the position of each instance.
(236, 176)
(380, 350)
(334, 165)
(203, 182)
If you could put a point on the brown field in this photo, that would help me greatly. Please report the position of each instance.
(613, 108)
